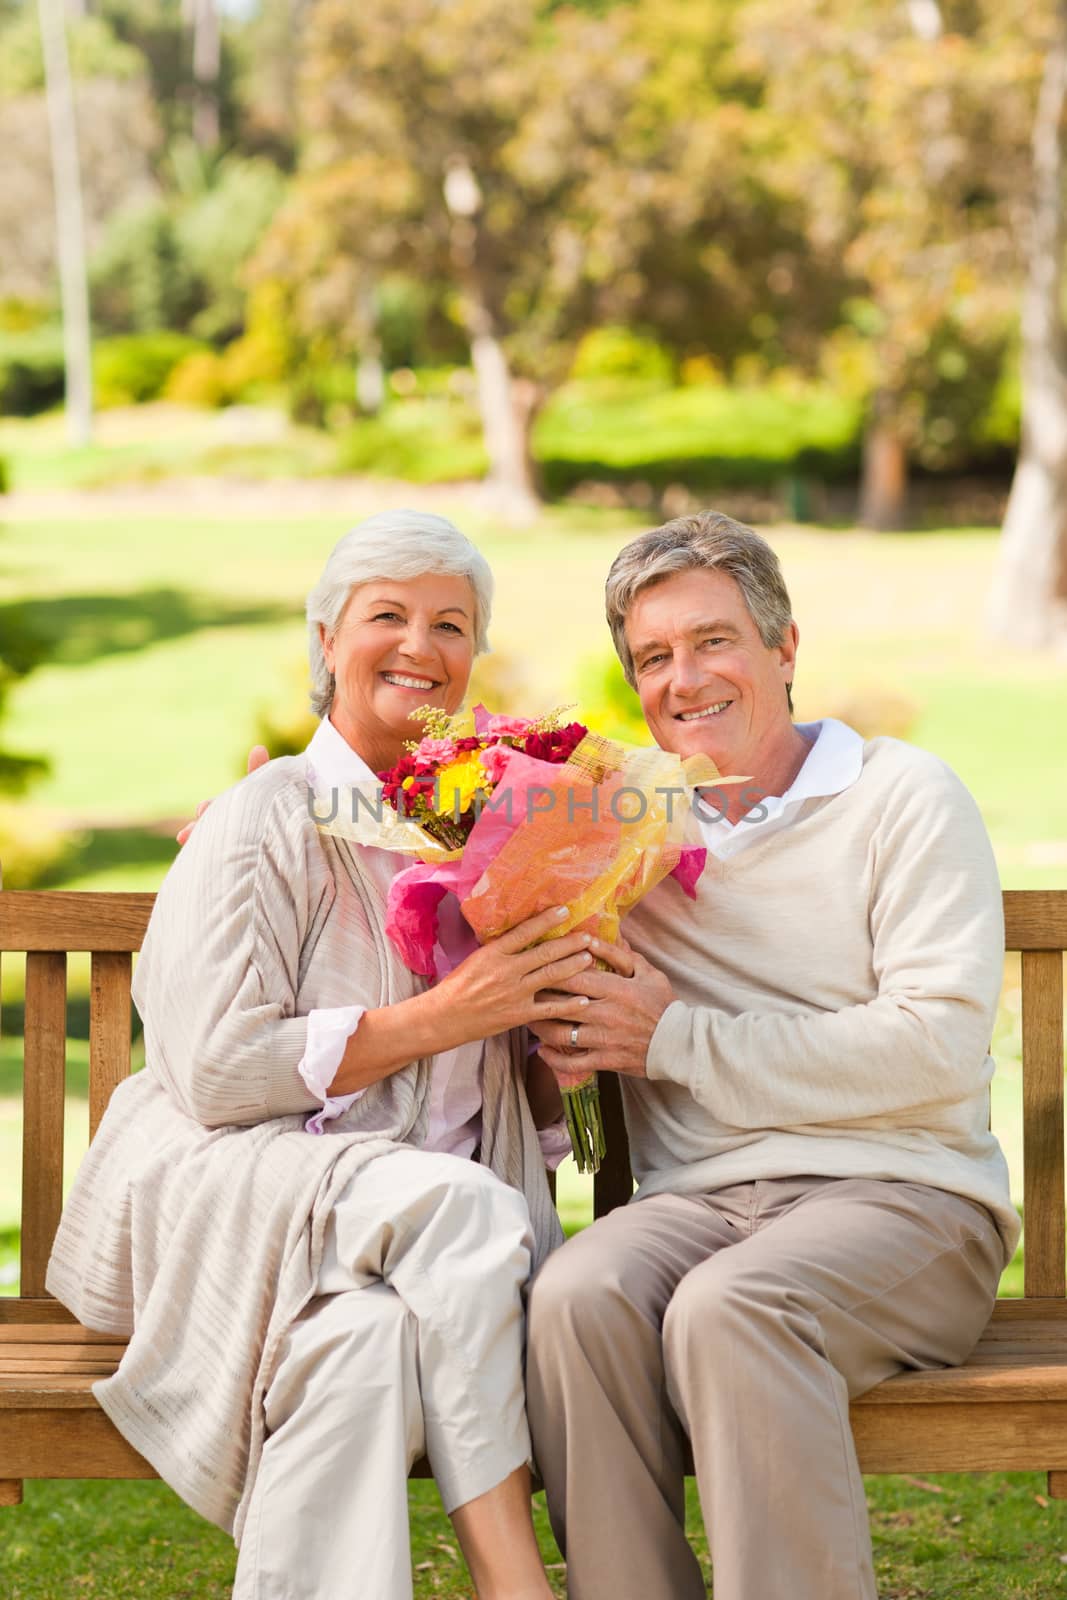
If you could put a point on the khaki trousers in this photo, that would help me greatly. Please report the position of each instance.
(746, 1318)
(413, 1344)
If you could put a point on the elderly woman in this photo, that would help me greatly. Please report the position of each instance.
(315, 1210)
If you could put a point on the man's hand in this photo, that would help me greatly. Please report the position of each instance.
(258, 757)
(615, 1029)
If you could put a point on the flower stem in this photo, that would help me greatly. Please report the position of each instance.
(581, 1107)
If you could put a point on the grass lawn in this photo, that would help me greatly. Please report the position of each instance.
(986, 1537)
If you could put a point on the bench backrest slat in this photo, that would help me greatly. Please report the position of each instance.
(42, 1126)
(109, 1028)
(1035, 919)
(1042, 985)
(58, 919)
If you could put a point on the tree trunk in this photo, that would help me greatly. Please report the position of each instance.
(506, 409)
(207, 58)
(370, 373)
(70, 225)
(884, 486)
(1028, 602)
(507, 416)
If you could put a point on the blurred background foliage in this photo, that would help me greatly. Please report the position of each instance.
(748, 243)
(625, 255)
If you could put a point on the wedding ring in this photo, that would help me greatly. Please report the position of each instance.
(574, 1037)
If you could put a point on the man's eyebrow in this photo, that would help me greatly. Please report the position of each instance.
(716, 625)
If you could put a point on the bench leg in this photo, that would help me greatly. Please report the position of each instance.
(1057, 1485)
(10, 1491)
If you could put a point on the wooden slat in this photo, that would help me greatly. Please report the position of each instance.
(48, 1333)
(1035, 919)
(1057, 1485)
(109, 1029)
(1008, 1313)
(1001, 1384)
(15, 1369)
(16, 1312)
(55, 919)
(1029, 1437)
(15, 1353)
(10, 1491)
(42, 1127)
(613, 1184)
(46, 1391)
(67, 1444)
(1042, 993)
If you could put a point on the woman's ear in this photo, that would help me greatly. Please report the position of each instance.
(326, 641)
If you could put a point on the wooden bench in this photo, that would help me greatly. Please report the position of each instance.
(1005, 1409)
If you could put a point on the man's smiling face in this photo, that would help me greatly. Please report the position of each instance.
(708, 684)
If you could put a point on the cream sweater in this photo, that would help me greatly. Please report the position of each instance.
(836, 988)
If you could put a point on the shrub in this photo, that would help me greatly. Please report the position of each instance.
(29, 847)
(286, 725)
(199, 380)
(31, 371)
(606, 703)
(136, 367)
(218, 232)
(5, 476)
(620, 353)
(263, 354)
(710, 437)
(432, 440)
(140, 276)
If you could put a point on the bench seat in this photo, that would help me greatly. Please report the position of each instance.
(907, 1423)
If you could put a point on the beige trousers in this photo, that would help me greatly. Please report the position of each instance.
(413, 1346)
(746, 1318)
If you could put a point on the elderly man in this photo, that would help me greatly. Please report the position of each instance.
(804, 1063)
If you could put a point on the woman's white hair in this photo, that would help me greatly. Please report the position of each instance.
(393, 544)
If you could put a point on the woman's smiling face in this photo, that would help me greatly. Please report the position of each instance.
(400, 644)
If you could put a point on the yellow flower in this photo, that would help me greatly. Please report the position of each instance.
(459, 783)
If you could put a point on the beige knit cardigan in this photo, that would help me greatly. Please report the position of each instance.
(196, 1223)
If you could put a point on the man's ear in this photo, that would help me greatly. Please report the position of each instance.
(788, 647)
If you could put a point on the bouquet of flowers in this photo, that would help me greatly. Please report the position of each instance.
(509, 816)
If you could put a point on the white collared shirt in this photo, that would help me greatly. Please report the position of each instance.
(455, 1122)
(833, 763)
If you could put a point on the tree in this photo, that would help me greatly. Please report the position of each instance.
(203, 17)
(70, 225)
(21, 650)
(118, 137)
(440, 142)
(547, 173)
(1028, 604)
(909, 143)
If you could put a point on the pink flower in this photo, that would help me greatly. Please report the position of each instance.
(508, 727)
(494, 759)
(435, 752)
(500, 727)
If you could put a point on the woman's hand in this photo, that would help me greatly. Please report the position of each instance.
(258, 757)
(511, 981)
(503, 985)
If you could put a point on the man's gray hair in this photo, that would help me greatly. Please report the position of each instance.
(393, 544)
(706, 539)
